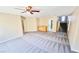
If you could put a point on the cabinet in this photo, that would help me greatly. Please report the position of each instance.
(42, 28)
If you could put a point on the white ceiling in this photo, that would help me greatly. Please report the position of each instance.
(45, 11)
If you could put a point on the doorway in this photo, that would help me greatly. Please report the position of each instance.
(63, 27)
(63, 21)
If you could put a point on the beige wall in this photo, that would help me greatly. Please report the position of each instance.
(43, 21)
(30, 24)
(10, 27)
(74, 31)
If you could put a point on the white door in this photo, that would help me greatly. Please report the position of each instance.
(50, 25)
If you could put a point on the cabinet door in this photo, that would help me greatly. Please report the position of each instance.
(30, 25)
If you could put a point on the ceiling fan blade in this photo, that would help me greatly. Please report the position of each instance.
(19, 9)
(23, 12)
(35, 10)
(31, 12)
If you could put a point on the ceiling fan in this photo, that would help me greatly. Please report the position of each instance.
(29, 9)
